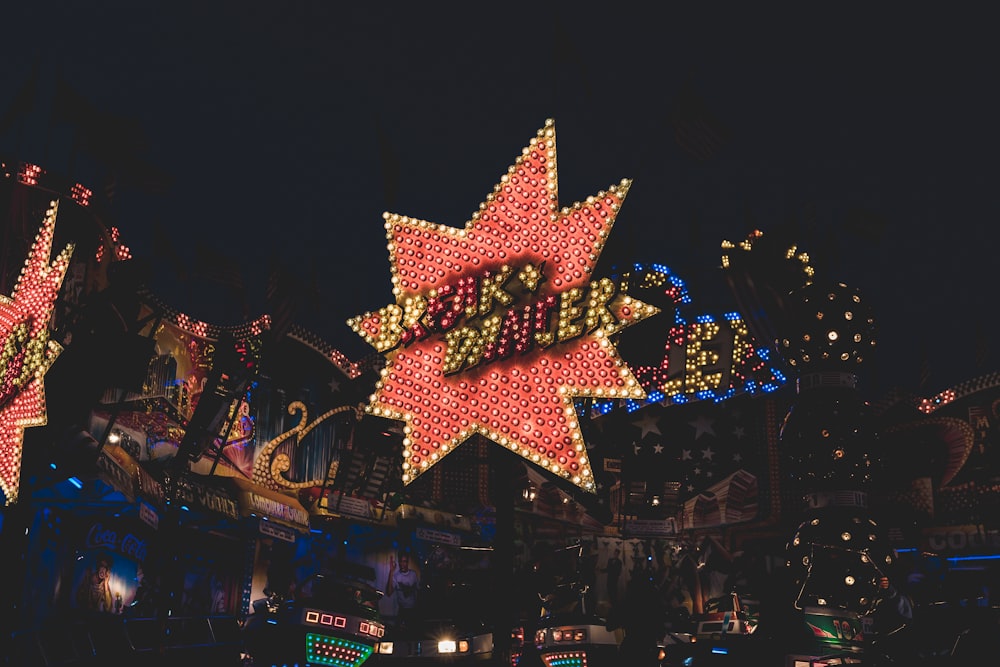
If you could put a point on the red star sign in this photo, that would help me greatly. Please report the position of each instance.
(498, 326)
(26, 353)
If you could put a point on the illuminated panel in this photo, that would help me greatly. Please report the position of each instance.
(121, 251)
(565, 659)
(326, 650)
(28, 174)
(929, 405)
(27, 353)
(81, 194)
(350, 623)
(497, 326)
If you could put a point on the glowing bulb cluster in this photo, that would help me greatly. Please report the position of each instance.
(836, 559)
(26, 352)
(202, 329)
(327, 650)
(749, 251)
(836, 329)
(121, 251)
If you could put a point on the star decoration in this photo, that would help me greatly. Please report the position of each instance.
(530, 277)
(648, 424)
(26, 352)
(702, 425)
(707, 453)
(499, 325)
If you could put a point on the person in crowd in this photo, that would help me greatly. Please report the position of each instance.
(402, 585)
(893, 611)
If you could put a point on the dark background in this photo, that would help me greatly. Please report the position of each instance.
(252, 134)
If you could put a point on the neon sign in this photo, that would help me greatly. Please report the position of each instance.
(704, 358)
(499, 325)
(26, 352)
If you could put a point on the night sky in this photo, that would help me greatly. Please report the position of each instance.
(285, 129)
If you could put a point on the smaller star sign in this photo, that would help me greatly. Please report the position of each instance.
(499, 325)
(26, 352)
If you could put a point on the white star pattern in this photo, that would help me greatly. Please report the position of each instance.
(695, 446)
(702, 425)
(648, 424)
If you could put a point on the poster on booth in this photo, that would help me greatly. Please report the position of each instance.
(107, 572)
(213, 574)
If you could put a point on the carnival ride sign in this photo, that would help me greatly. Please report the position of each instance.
(499, 325)
(26, 352)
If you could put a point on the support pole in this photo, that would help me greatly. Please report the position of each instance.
(502, 475)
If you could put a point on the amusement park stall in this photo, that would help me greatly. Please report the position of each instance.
(152, 464)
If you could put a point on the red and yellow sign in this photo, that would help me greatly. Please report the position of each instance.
(498, 326)
(26, 352)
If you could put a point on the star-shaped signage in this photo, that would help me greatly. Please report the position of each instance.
(499, 325)
(26, 352)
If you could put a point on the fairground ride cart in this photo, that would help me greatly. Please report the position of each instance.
(336, 623)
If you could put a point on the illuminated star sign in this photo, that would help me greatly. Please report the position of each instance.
(499, 325)
(27, 353)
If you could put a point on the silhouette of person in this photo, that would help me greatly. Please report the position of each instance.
(613, 568)
(642, 621)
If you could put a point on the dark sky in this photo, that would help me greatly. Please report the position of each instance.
(287, 128)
